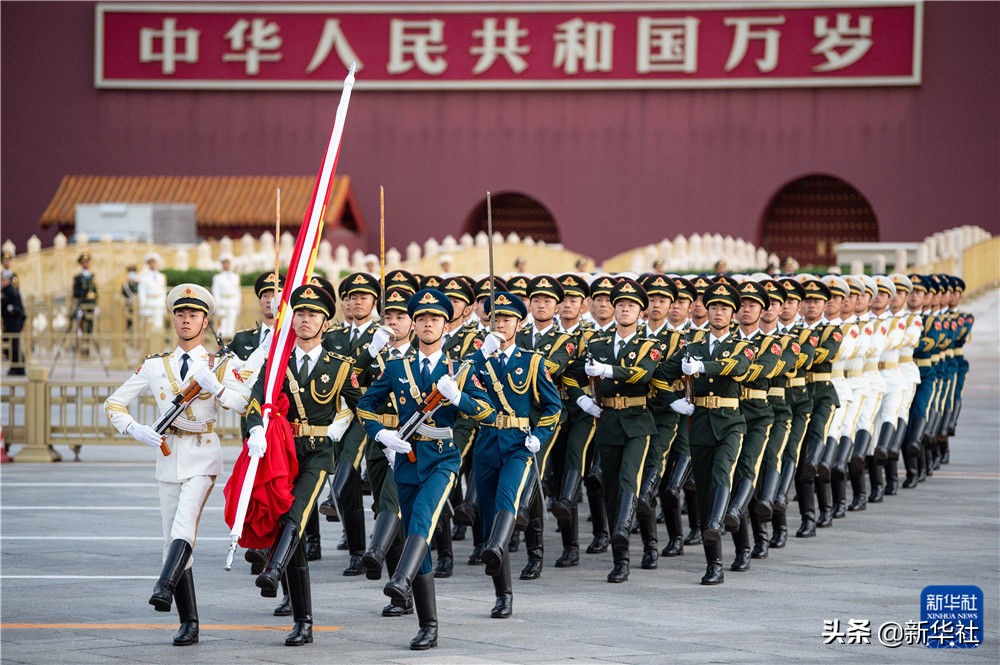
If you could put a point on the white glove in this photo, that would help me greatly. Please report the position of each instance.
(339, 425)
(144, 434)
(588, 406)
(391, 456)
(532, 443)
(390, 439)
(692, 367)
(682, 406)
(256, 442)
(446, 386)
(600, 369)
(381, 337)
(207, 380)
(491, 344)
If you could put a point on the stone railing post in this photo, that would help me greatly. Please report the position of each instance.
(36, 413)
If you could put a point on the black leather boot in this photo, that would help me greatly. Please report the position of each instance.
(828, 458)
(329, 507)
(898, 438)
(528, 495)
(465, 512)
(886, 435)
(187, 610)
(875, 479)
(806, 491)
(859, 490)
(841, 459)
(400, 585)
(891, 476)
(173, 567)
(354, 527)
(284, 608)
(598, 522)
(396, 608)
(824, 497)
(785, 480)
(713, 556)
(761, 536)
(277, 560)
(624, 517)
(647, 490)
(569, 532)
(780, 530)
(566, 503)
(741, 540)
(675, 527)
(763, 507)
(257, 559)
(515, 539)
(714, 526)
(300, 593)
(387, 526)
(504, 605)
(862, 441)
(838, 494)
(533, 544)
(912, 464)
(620, 571)
(812, 453)
(914, 434)
(694, 518)
(739, 502)
(445, 565)
(314, 552)
(496, 545)
(426, 603)
(650, 545)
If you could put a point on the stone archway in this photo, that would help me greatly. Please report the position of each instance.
(514, 212)
(807, 217)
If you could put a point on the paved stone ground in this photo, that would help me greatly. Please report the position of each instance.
(80, 548)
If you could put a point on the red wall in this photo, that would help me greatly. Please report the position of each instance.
(651, 163)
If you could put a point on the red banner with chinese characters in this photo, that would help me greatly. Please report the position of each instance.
(465, 46)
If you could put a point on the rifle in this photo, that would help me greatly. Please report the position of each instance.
(425, 411)
(595, 382)
(688, 388)
(179, 403)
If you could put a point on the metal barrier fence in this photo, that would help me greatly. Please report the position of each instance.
(42, 412)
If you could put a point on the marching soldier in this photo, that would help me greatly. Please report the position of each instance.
(824, 403)
(662, 293)
(426, 465)
(314, 383)
(246, 341)
(716, 365)
(361, 292)
(893, 381)
(623, 363)
(186, 474)
(578, 432)
(908, 377)
(557, 348)
(678, 483)
(85, 295)
(527, 415)
(387, 534)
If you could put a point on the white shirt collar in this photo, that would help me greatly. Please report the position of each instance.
(619, 338)
(536, 331)
(401, 350)
(434, 358)
(751, 335)
(652, 333)
(197, 353)
(571, 329)
(313, 354)
(363, 327)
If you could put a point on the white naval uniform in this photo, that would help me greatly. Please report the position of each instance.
(892, 376)
(908, 370)
(873, 388)
(152, 295)
(227, 294)
(848, 348)
(187, 475)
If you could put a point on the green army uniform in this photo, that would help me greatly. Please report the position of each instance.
(314, 391)
(85, 296)
(557, 348)
(824, 403)
(717, 424)
(626, 424)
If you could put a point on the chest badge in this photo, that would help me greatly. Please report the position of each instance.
(519, 371)
(631, 356)
(325, 378)
(163, 395)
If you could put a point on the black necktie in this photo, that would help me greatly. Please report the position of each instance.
(393, 352)
(534, 343)
(264, 334)
(354, 337)
(618, 349)
(304, 370)
(502, 358)
(425, 372)
(184, 365)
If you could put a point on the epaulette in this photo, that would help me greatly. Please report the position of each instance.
(601, 338)
(246, 330)
(158, 355)
(331, 355)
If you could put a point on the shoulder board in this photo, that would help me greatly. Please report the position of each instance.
(331, 355)
(158, 355)
(245, 330)
(600, 338)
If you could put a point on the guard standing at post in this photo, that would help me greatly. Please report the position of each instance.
(85, 295)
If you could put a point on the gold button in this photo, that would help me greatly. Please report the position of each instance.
(711, 380)
(711, 394)
(302, 390)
